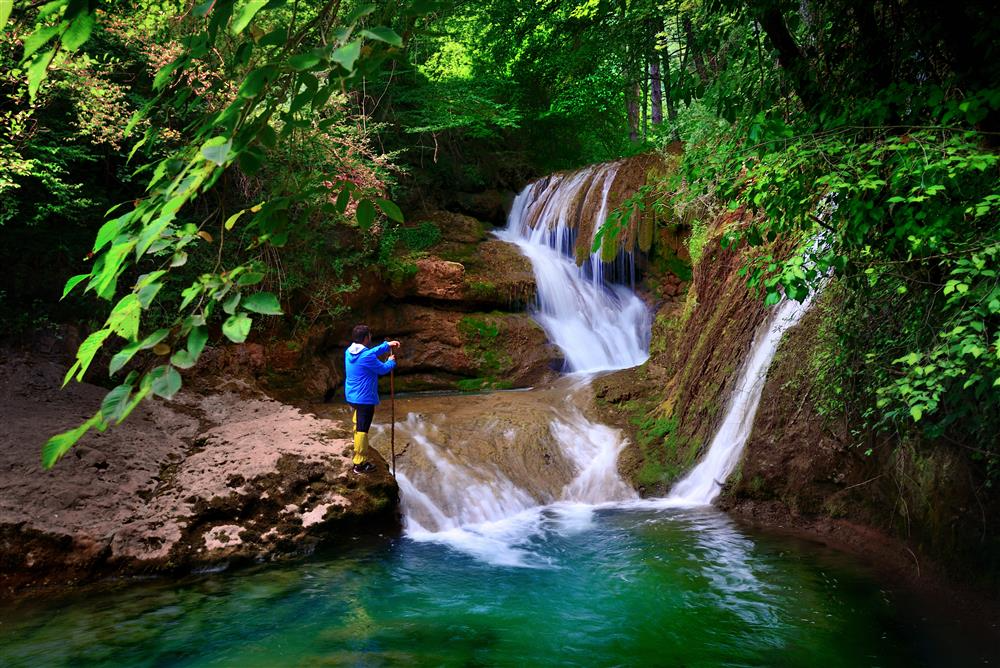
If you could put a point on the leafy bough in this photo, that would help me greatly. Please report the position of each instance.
(292, 60)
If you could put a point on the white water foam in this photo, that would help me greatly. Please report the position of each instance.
(476, 509)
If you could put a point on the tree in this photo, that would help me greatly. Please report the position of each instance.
(280, 65)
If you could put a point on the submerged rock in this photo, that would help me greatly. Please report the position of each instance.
(202, 481)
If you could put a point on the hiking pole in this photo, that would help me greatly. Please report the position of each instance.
(392, 418)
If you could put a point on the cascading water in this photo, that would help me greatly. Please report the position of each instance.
(702, 485)
(489, 487)
(485, 505)
(599, 326)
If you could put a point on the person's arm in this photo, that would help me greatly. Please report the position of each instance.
(375, 364)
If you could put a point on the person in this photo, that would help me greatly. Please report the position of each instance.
(363, 367)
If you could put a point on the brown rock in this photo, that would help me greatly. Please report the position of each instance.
(439, 279)
(197, 481)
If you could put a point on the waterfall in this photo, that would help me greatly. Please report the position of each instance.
(702, 485)
(486, 475)
(598, 325)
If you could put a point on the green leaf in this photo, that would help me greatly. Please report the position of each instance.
(917, 412)
(267, 136)
(78, 32)
(229, 306)
(203, 8)
(36, 71)
(250, 278)
(85, 354)
(189, 294)
(390, 209)
(147, 293)
(182, 359)
(251, 161)
(115, 402)
(37, 40)
(264, 303)
(163, 74)
(196, 340)
(361, 11)
(124, 318)
(304, 61)
(6, 6)
(382, 34)
(255, 81)
(343, 199)
(166, 381)
(216, 149)
(237, 327)
(245, 15)
(72, 282)
(60, 444)
(347, 55)
(233, 218)
(365, 214)
(122, 357)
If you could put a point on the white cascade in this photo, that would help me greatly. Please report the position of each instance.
(599, 326)
(475, 508)
(704, 482)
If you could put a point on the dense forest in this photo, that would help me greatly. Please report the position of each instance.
(177, 171)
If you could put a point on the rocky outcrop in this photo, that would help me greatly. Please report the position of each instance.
(444, 349)
(200, 481)
(460, 313)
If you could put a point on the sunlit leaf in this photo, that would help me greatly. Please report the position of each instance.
(263, 302)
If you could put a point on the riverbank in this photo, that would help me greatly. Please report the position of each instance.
(212, 479)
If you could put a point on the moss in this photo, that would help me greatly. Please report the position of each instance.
(483, 345)
(483, 289)
(420, 238)
(697, 239)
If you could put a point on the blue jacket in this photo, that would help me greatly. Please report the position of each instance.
(363, 368)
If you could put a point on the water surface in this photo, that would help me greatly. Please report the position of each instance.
(614, 586)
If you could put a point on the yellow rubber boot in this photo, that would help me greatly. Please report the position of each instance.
(360, 447)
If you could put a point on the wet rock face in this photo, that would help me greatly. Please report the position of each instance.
(443, 348)
(200, 481)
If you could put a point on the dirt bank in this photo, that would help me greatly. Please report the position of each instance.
(205, 480)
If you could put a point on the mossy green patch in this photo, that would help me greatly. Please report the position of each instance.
(484, 346)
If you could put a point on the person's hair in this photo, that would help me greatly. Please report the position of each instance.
(360, 333)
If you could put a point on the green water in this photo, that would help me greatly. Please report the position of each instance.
(610, 587)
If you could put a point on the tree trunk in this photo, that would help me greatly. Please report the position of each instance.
(699, 62)
(671, 106)
(790, 56)
(656, 88)
(645, 105)
(632, 106)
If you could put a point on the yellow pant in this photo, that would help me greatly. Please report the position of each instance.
(360, 441)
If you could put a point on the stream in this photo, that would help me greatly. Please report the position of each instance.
(521, 544)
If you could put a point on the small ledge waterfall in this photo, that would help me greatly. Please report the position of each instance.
(702, 485)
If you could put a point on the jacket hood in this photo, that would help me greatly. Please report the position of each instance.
(356, 348)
